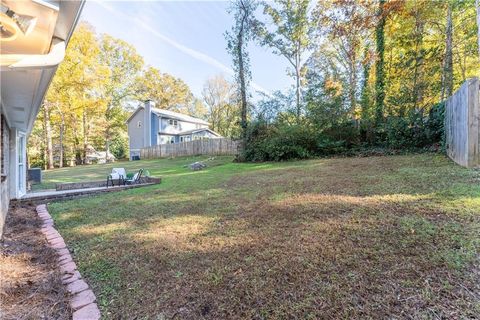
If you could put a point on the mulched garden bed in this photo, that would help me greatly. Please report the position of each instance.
(31, 286)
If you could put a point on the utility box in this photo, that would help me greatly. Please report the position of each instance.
(35, 175)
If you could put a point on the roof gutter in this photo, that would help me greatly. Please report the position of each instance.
(49, 62)
(36, 61)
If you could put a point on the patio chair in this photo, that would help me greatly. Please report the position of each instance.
(135, 179)
(117, 174)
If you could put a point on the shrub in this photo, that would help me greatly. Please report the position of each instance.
(282, 141)
(414, 131)
(278, 142)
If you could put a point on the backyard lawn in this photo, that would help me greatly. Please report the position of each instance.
(374, 237)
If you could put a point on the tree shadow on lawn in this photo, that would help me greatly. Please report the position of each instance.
(275, 262)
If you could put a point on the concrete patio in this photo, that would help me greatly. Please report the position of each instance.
(54, 195)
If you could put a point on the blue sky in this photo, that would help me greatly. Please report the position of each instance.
(185, 39)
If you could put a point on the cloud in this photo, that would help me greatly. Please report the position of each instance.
(200, 56)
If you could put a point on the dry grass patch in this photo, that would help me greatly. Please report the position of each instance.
(378, 237)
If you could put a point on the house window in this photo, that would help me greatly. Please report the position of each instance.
(21, 163)
(173, 122)
(172, 139)
(181, 139)
(139, 124)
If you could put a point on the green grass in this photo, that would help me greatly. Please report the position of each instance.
(100, 171)
(375, 237)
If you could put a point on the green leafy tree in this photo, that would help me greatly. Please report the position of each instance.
(346, 25)
(220, 97)
(290, 37)
(71, 108)
(165, 90)
(237, 41)
(123, 64)
(477, 5)
(380, 62)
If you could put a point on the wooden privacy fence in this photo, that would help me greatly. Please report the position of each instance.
(462, 124)
(213, 147)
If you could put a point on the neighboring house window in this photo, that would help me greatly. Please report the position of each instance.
(173, 122)
(172, 139)
(181, 139)
(139, 124)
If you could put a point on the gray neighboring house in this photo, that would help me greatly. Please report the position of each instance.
(30, 54)
(149, 126)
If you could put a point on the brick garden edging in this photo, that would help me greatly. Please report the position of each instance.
(82, 300)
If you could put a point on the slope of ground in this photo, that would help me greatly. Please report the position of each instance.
(377, 237)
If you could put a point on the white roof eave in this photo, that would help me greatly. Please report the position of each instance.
(41, 66)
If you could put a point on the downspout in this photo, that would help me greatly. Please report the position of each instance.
(35, 61)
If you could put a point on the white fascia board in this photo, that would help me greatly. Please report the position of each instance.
(48, 63)
(44, 83)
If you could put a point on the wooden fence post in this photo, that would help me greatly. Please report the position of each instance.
(214, 147)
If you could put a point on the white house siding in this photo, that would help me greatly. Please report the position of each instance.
(136, 133)
(203, 135)
(13, 156)
(166, 127)
(4, 182)
(24, 81)
(164, 139)
(13, 165)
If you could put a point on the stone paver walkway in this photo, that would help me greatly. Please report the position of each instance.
(82, 298)
(52, 195)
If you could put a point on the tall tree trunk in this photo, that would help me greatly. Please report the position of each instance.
(365, 98)
(107, 143)
(447, 87)
(418, 85)
(77, 152)
(477, 3)
(85, 137)
(243, 89)
(298, 92)
(107, 134)
(62, 128)
(380, 63)
(352, 78)
(48, 135)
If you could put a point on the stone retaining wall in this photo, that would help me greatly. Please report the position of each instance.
(82, 299)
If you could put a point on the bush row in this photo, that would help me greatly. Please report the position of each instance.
(280, 141)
